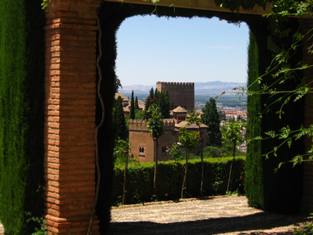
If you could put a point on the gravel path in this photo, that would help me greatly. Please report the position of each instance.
(217, 215)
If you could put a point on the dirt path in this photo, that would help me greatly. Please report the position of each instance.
(217, 215)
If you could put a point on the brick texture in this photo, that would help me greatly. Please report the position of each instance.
(180, 93)
(70, 116)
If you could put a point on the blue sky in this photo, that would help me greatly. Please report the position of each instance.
(151, 49)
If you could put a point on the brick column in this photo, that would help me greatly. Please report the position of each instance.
(70, 115)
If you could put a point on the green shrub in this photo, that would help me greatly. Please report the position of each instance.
(213, 151)
(307, 229)
(170, 175)
(21, 114)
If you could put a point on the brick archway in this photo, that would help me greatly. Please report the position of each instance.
(71, 34)
(70, 127)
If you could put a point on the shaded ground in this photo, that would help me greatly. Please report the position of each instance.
(217, 215)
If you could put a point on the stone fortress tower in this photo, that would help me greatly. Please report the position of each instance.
(180, 93)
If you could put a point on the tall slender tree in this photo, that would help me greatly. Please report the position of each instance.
(193, 118)
(211, 118)
(120, 129)
(233, 134)
(164, 103)
(155, 125)
(136, 103)
(121, 152)
(132, 112)
(188, 140)
(148, 103)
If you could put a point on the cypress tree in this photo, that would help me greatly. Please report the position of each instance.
(132, 107)
(149, 102)
(164, 103)
(120, 129)
(211, 119)
(136, 103)
(21, 115)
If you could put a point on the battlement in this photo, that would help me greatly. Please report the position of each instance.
(137, 125)
(180, 93)
(142, 124)
(172, 85)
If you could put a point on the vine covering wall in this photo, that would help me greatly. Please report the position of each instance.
(272, 181)
(21, 114)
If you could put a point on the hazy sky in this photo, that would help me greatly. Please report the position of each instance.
(154, 49)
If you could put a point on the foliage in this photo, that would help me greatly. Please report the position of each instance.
(155, 122)
(136, 103)
(232, 133)
(41, 225)
(163, 100)
(21, 114)
(155, 125)
(132, 107)
(214, 151)
(120, 151)
(120, 128)
(160, 99)
(273, 80)
(210, 117)
(139, 114)
(307, 229)
(254, 162)
(236, 4)
(175, 152)
(188, 139)
(193, 118)
(170, 176)
(149, 101)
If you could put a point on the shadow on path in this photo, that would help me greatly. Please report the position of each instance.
(258, 221)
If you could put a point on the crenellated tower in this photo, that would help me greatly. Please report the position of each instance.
(180, 93)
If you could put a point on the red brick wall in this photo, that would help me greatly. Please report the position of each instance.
(70, 115)
(180, 93)
(140, 136)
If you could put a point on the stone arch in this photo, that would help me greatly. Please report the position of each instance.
(71, 105)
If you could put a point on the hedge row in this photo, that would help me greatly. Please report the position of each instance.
(254, 161)
(170, 175)
(21, 114)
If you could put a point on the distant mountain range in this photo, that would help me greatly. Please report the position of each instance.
(201, 88)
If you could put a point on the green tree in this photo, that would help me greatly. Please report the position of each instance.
(159, 98)
(164, 103)
(148, 103)
(132, 112)
(188, 141)
(233, 133)
(175, 152)
(211, 119)
(121, 153)
(193, 118)
(136, 104)
(120, 128)
(155, 125)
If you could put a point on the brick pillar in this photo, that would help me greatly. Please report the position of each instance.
(70, 115)
(307, 202)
